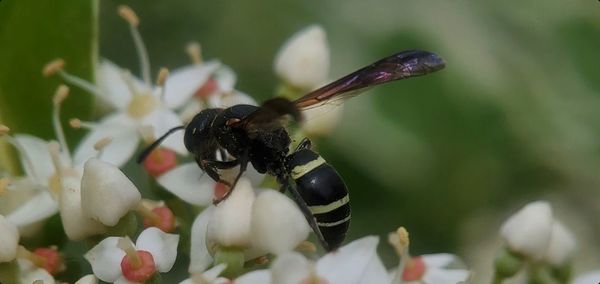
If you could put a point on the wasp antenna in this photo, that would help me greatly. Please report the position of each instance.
(155, 144)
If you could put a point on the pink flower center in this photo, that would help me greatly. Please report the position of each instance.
(220, 190)
(161, 160)
(163, 219)
(207, 89)
(52, 261)
(414, 269)
(138, 272)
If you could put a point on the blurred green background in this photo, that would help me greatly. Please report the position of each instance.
(514, 117)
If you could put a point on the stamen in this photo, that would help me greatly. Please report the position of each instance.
(54, 149)
(400, 241)
(145, 210)
(306, 246)
(61, 94)
(126, 245)
(101, 145)
(129, 15)
(77, 123)
(163, 74)
(194, 50)
(126, 75)
(53, 67)
(23, 253)
(81, 83)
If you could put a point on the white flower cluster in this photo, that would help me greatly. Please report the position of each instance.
(93, 197)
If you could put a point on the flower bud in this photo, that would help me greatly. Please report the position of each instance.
(562, 245)
(88, 279)
(230, 224)
(322, 120)
(9, 240)
(278, 226)
(528, 231)
(106, 193)
(303, 61)
(76, 224)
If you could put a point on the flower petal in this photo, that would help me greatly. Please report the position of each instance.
(226, 100)
(200, 258)
(189, 183)
(225, 78)
(9, 240)
(439, 260)
(125, 139)
(88, 279)
(36, 150)
(35, 209)
(29, 273)
(349, 264)
(291, 268)
(445, 276)
(184, 82)
(230, 225)
(255, 277)
(113, 86)
(105, 259)
(123, 280)
(278, 226)
(162, 120)
(107, 194)
(161, 245)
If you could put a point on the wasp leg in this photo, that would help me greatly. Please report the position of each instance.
(243, 162)
(210, 167)
(286, 182)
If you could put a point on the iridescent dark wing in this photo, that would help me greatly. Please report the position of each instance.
(402, 65)
(269, 116)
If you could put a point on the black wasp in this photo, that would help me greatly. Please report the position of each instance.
(255, 134)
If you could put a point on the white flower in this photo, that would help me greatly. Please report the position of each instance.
(9, 240)
(356, 262)
(29, 273)
(267, 223)
(322, 120)
(106, 193)
(138, 103)
(87, 279)
(106, 256)
(303, 61)
(592, 277)
(436, 271)
(535, 233)
(529, 230)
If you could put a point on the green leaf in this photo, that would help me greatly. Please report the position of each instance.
(32, 33)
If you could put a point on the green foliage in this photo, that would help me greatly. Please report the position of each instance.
(32, 33)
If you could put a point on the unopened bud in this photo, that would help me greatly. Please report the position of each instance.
(163, 74)
(53, 67)
(129, 15)
(194, 50)
(60, 95)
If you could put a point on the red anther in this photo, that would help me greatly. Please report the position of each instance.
(161, 160)
(142, 272)
(207, 89)
(414, 269)
(165, 220)
(52, 260)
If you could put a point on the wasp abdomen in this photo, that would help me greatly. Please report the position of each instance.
(325, 193)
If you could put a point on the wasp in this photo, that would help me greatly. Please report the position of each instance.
(256, 135)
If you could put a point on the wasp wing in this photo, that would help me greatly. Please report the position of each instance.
(269, 115)
(402, 65)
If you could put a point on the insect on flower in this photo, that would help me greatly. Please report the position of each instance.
(256, 135)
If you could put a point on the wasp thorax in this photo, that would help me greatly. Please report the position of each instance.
(142, 105)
